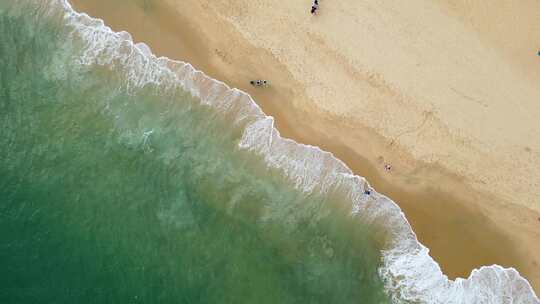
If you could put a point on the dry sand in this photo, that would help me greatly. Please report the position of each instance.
(447, 91)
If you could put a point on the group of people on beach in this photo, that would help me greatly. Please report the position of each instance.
(258, 82)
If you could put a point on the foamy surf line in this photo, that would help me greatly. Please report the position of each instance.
(409, 273)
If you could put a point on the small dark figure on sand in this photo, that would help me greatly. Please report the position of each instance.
(314, 7)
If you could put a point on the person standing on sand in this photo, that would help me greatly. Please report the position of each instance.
(314, 7)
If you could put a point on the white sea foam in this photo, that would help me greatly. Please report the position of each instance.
(410, 274)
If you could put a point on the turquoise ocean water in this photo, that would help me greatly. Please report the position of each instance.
(117, 193)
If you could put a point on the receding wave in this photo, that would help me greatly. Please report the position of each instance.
(408, 272)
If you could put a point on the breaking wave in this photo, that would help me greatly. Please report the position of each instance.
(409, 273)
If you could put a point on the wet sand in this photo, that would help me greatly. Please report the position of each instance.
(464, 227)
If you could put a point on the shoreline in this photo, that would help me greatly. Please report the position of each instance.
(478, 246)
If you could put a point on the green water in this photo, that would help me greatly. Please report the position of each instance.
(143, 197)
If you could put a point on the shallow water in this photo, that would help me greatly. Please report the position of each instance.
(113, 193)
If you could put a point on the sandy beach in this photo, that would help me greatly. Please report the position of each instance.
(445, 91)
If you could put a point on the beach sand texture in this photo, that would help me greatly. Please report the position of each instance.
(445, 91)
